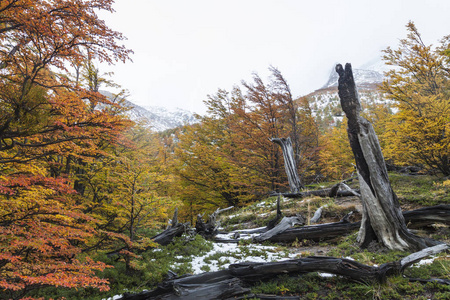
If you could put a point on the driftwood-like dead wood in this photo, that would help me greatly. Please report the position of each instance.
(285, 223)
(417, 256)
(166, 237)
(175, 230)
(278, 217)
(209, 229)
(427, 216)
(332, 192)
(433, 280)
(250, 271)
(382, 218)
(349, 189)
(318, 232)
(270, 225)
(439, 214)
(211, 285)
(317, 214)
(290, 166)
(233, 282)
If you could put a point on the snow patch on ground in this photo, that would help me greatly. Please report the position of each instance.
(114, 297)
(225, 254)
(425, 262)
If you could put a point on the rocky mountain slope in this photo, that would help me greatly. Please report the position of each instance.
(325, 104)
(159, 118)
(155, 117)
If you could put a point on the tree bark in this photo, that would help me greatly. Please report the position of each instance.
(286, 223)
(290, 166)
(426, 216)
(209, 229)
(317, 233)
(271, 224)
(382, 217)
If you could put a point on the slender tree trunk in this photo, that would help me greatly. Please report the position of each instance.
(289, 163)
(382, 218)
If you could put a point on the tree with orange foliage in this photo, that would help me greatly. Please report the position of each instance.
(229, 159)
(44, 114)
(40, 107)
(41, 230)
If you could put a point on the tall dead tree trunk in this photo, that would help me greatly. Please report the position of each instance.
(289, 163)
(382, 218)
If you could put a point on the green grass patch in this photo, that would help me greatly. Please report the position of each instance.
(149, 269)
(420, 190)
(314, 286)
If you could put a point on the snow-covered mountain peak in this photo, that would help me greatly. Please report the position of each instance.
(362, 78)
(155, 117)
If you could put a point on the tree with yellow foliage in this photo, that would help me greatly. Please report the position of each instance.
(419, 84)
(336, 157)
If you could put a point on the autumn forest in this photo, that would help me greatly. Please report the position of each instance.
(79, 180)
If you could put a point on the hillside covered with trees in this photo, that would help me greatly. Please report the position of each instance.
(84, 190)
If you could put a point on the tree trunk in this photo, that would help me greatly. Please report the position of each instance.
(382, 218)
(289, 163)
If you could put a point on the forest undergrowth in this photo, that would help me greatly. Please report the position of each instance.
(193, 254)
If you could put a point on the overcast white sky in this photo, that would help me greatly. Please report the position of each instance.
(187, 49)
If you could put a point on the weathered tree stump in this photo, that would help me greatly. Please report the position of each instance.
(209, 229)
(382, 218)
(289, 163)
(277, 218)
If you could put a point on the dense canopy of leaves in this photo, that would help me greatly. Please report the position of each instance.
(228, 159)
(78, 179)
(419, 132)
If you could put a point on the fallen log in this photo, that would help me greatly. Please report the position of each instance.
(426, 216)
(210, 285)
(286, 234)
(433, 280)
(233, 282)
(166, 237)
(329, 192)
(318, 232)
(174, 230)
(251, 231)
(250, 271)
(415, 219)
(286, 222)
(270, 225)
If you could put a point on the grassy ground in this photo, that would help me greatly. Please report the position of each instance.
(419, 191)
(413, 192)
